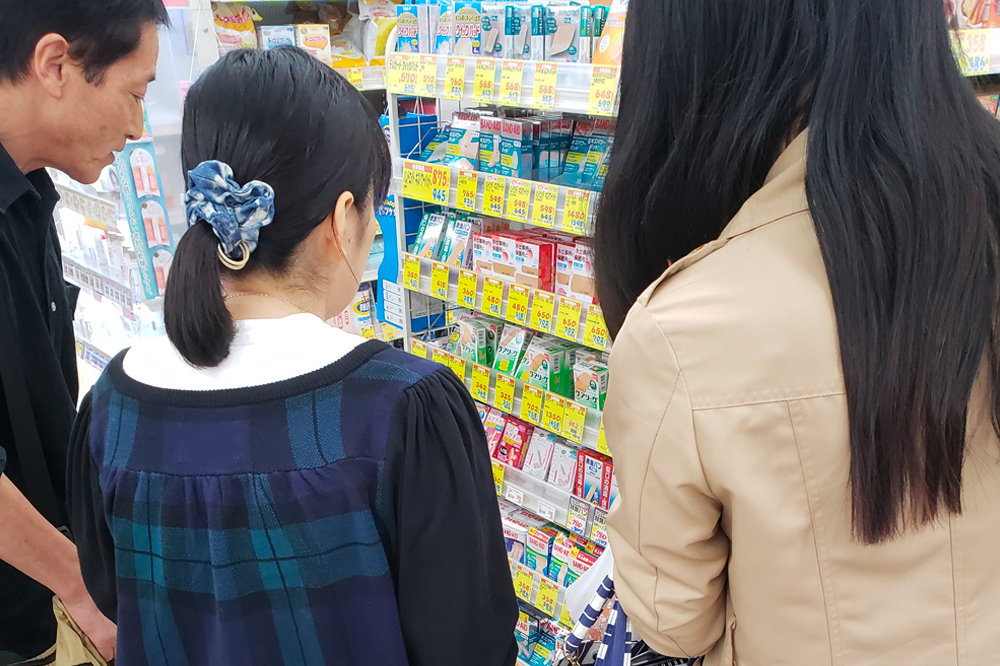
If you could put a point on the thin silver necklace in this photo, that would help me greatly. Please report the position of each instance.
(241, 294)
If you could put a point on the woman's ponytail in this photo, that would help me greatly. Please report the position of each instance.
(194, 309)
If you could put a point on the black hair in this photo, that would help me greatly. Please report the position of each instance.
(284, 118)
(903, 184)
(99, 32)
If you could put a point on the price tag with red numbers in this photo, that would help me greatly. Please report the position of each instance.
(543, 92)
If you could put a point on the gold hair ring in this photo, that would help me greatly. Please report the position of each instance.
(231, 263)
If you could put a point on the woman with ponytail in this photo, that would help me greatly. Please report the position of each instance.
(259, 487)
(798, 251)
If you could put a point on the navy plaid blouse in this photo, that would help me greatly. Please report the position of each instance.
(347, 516)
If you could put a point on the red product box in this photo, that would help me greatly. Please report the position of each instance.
(494, 425)
(536, 260)
(516, 435)
(593, 477)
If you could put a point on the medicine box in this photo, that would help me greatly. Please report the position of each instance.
(489, 143)
(590, 384)
(539, 548)
(593, 477)
(273, 36)
(536, 260)
(539, 455)
(511, 347)
(562, 468)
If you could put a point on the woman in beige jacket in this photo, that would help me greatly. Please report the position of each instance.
(803, 406)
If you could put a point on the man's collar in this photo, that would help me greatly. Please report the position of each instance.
(14, 184)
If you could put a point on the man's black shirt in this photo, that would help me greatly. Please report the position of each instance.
(31, 281)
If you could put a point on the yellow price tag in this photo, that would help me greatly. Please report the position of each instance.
(427, 76)
(575, 212)
(511, 75)
(449, 317)
(439, 280)
(603, 87)
(454, 79)
(468, 183)
(389, 332)
(548, 592)
(426, 182)
(480, 382)
(543, 211)
(486, 74)
(555, 412)
(494, 193)
(602, 441)
(518, 200)
(356, 77)
(541, 311)
(458, 365)
(524, 582)
(368, 332)
(493, 297)
(543, 92)
(517, 304)
(467, 284)
(573, 421)
(595, 331)
(504, 397)
(439, 355)
(531, 404)
(411, 272)
(401, 73)
(498, 470)
(568, 324)
(974, 51)
(418, 349)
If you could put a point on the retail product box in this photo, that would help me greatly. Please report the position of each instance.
(432, 230)
(456, 242)
(539, 456)
(273, 36)
(505, 254)
(476, 340)
(468, 27)
(234, 27)
(482, 253)
(565, 256)
(539, 544)
(414, 31)
(562, 33)
(511, 347)
(563, 552)
(593, 477)
(516, 527)
(536, 261)
(516, 435)
(515, 148)
(597, 146)
(463, 141)
(609, 49)
(613, 495)
(590, 384)
(435, 151)
(489, 143)
(494, 425)
(517, 27)
(314, 39)
(579, 565)
(582, 287)
(562, 468)
(444, 43)
(483, 411)
(491, 22)
(547, 367)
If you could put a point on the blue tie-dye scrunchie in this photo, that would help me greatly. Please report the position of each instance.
(235, 213)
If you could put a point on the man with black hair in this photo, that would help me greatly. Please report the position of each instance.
(73, 74)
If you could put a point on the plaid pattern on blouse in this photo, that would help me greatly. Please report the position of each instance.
(247, 532)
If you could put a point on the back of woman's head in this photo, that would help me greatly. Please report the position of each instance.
(903, 183)
(283, 118)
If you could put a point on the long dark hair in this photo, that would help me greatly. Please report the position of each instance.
(284, 118)
(903, 183)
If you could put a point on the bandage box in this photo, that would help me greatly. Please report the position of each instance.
(511, 347)
(463, 141)
(515, 148)
(483, 411)
(491, 32)
(593, 477)
(489, 143)
(582, 287)
(495, 422)
(314, 39)
(539, 454)
(565, 255)
(468, 27)
(515, 531)
(437, 149)
(456, 242)
(516, 435)
(563, 552)
(428, 240)
(579, 565)
(562, 469)
(539, 548)
(445, 42)
(482, 253)
(547, 368)
(536, 260)
(590, 384)
(517, 27)
(273, 36)
(562, 33)
(505, 254)
(476, 341)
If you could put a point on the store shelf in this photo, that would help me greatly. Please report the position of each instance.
(90, 206)
(572, 91)
(92, 355)
(364, 78)
(550, 503)
(576, 218)
(96, 284)
(553, 413)
(538, 310)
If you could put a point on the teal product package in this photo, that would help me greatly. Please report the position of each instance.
(435, 151)
(468, 27)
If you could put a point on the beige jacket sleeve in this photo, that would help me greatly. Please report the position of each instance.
(669, 547)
